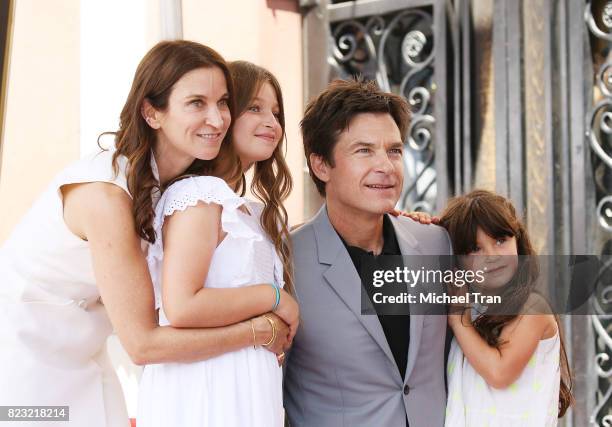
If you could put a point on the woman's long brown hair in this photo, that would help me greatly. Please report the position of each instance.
(155, 77)
(497, 217)
(272, 181)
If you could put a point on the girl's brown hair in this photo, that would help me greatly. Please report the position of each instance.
(497, 217)
(154, 80)
(272, 181)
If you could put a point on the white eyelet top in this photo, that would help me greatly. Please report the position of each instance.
(243, 386)
(531, 401)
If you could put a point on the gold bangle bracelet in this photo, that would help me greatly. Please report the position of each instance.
(254, 337)
(273, 325)
(273, 330)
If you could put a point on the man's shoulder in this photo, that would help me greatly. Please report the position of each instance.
(427, 235)
(302, 232)
(417, 227)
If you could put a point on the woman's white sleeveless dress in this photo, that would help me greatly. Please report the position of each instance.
(53, 327)
(532, 401)
(238, 389)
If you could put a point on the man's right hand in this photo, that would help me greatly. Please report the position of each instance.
(422, 217)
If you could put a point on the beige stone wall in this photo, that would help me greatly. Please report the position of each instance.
(41, 117)
(537, 151)
(484, 173)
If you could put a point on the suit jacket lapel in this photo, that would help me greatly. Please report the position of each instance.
(410, 246)
(344, 279)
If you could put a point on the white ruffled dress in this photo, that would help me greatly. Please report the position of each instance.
(241, 388)
(531, 401)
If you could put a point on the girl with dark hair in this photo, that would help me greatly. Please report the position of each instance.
(221, 259)
(73, 269)
(506, 367)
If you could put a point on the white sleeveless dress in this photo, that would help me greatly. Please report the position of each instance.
(53, 328)
(532, 401)
(238, 389)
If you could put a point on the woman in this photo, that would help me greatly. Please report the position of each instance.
(81, 244)
(213, 249)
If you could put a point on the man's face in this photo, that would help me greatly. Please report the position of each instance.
(369, 171)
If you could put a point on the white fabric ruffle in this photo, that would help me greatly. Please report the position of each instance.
(187, 193)
(242, 387)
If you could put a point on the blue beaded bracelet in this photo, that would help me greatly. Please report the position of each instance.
(277, 296)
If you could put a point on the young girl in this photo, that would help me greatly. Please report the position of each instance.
(503, 370)
(220, 259)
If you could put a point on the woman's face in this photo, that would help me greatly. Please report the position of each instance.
(257, 130)
(497, 258)
(197, 117)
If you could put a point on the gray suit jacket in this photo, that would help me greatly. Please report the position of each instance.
(341, 371)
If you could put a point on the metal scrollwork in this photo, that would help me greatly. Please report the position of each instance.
(419, 133)
(352, 39)
(604, 79)
(376, 26)
(396, 50)
(601, 358)
(604, 213)
(601, 123)
(599, 134)
(592, 23)
(607, 15)
(413, 45)
(419, 98)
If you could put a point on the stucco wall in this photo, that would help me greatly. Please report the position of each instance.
(41, 120)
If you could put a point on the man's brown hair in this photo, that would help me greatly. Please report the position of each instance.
(330, 113)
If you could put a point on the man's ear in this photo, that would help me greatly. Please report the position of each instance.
(319, 167)
(150, 114)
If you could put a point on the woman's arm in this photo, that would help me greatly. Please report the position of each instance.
(190, 239)
(520, 337)
(101, 214)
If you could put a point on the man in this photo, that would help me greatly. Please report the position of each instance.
(345, 368)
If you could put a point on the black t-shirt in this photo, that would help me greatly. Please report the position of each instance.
(395, 327)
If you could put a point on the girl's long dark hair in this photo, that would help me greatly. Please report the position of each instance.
(497, 217)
